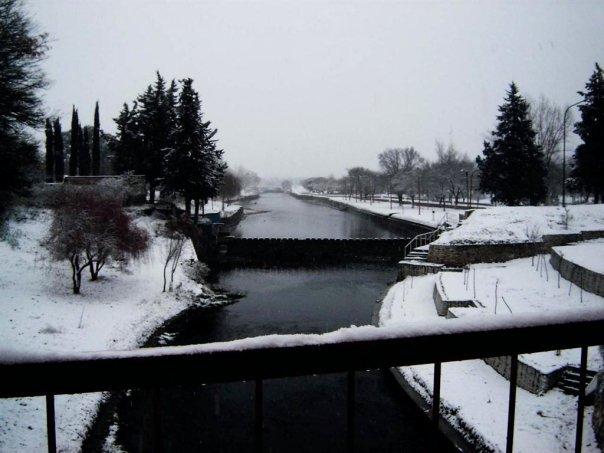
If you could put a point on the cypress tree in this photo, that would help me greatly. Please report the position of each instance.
(58, 152)
(96, 142)
(74, 143)
(513, 168)
(50, 155)
(588, 168)
(84, 149)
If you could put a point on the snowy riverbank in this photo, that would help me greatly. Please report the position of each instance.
(546, 421)
(430, 217)
(38, 313)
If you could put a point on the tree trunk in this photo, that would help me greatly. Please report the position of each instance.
(188, 206)
(152, 191)
(195, 218)
(76, 276)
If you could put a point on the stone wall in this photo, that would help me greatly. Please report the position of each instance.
(415, 269)
(462, 254)
(272, 251)
(585, 278)
(529, 378)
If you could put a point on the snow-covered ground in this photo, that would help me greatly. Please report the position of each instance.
(545, 422)
(503, 224)
(39, 313)
(588, 254)
(428, 216)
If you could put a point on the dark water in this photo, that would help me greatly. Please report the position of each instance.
(306, 414)
(285, 216)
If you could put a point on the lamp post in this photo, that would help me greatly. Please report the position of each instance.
(564, 150)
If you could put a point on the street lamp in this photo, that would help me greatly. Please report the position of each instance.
(469, 183)
(564, 151)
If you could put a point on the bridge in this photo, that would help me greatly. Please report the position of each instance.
(312, 251)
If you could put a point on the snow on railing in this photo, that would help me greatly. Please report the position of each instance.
(272, 356)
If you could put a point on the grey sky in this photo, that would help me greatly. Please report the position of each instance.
(307, 88)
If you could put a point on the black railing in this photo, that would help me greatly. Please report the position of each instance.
(278, 356)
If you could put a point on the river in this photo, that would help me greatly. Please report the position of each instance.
(306, 414)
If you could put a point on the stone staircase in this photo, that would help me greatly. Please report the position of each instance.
(569, 382)
(418, 254)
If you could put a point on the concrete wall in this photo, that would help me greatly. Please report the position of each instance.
(585, 278)
(272, 251)
(442, 303)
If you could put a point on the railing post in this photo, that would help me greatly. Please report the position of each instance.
(50, 423)
(436, 394)
(156, 437)
(258, 416)
(512, 403)
(581, 400)
(350, 408)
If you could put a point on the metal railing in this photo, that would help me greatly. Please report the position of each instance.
(279, 356)
(422, 239)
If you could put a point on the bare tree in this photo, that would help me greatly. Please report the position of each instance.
(404, 180)
(173, 252)
(89, 227)
(548, 123)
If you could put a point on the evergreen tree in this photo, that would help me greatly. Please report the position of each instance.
(156, 130)
(194, 168)
(84, 149)
(96, 142)
(22, 49)
(588, 169)
(127, 147)
(50, 156)
(58, 151)
(513, 169)
(74, 143)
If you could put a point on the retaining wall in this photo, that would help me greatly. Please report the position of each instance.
(404, 227)
(462, 254)
(581, 276)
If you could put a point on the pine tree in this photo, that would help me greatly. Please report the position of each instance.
(50, 156)
(58, 152)
(84, 149)
(74, 143)
(513, 169)
(588, 169)
(194, 168)
(96, 142)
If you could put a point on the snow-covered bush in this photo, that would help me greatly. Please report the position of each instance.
(90, 227)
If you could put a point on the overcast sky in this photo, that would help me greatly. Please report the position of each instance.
(307, 88)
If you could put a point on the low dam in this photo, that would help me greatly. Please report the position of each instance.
(309, 251)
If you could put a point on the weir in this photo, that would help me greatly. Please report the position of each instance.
(311, 251)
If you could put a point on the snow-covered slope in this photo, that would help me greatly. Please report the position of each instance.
(39, 313)
(504, 224)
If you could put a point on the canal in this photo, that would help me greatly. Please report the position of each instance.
(306, 414)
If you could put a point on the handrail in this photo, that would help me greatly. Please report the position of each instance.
(421, 239)
(273, 356)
